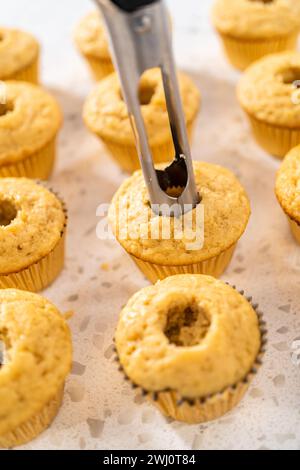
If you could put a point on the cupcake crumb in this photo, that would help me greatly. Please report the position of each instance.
(105, 267)
(69, 314)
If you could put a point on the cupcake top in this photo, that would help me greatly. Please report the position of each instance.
(105, 112)
(226, 212)
(256, 19)
(189, 333)
(288, 184)
(29, 119)
(32, 221)
(90, 36)
(17, 51)
(266, 89)
(38, 352)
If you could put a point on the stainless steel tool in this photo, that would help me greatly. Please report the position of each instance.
(140, 39)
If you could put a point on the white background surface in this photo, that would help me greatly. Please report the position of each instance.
(100, 410)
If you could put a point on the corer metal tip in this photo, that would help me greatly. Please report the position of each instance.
(140, 39)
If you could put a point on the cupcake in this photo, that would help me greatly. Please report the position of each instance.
(251, 29)
(192, 344)
(105, 114)
(38, 348)
(29, 122)
(287, 189)
(32, 234)
(268, 94)
(90, 39)
(19, 55)
(204, 248)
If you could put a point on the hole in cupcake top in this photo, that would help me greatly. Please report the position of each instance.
(8, 212)
(290, 75)
(146, 93)
(187, 325)
(6, 108)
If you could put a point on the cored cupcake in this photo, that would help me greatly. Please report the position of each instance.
(192, 344)
(30, 119)
(39, 351)
(32, 234)
(105, 114)
(268, 94)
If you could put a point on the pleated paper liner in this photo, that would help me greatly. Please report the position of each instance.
(126, 155)
(38, 165)
(295, 228)
(213, 266)
(34, 425)
(199, 410)
(43, 272)
(28, 74)
(242, 52)
(100, 68)
(277, 141)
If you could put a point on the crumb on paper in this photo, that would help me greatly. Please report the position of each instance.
(104, 266)
(69, 314)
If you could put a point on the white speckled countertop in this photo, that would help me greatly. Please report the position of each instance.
(100, 410)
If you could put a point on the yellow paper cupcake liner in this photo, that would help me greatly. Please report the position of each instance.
(38, 165)
(28, 74)
(100, 68)
(35, 425)
(241, 52)
(215, 407)
(277, 141)
(126, 155)
(295, 228)
(199, 410)
(213, 266)
(42, 273)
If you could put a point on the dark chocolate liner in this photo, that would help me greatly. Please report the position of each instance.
(47, 185)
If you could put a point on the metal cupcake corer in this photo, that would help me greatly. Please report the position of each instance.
(140, 39)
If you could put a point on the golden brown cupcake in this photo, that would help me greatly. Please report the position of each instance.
(267, 93)
(91, 41)
(287, 189)
(105, 114)
(19, 56)
(192, 344)
(251, 29)
(30, 119)
(37, 359)
(225, 212)
(32, 234)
